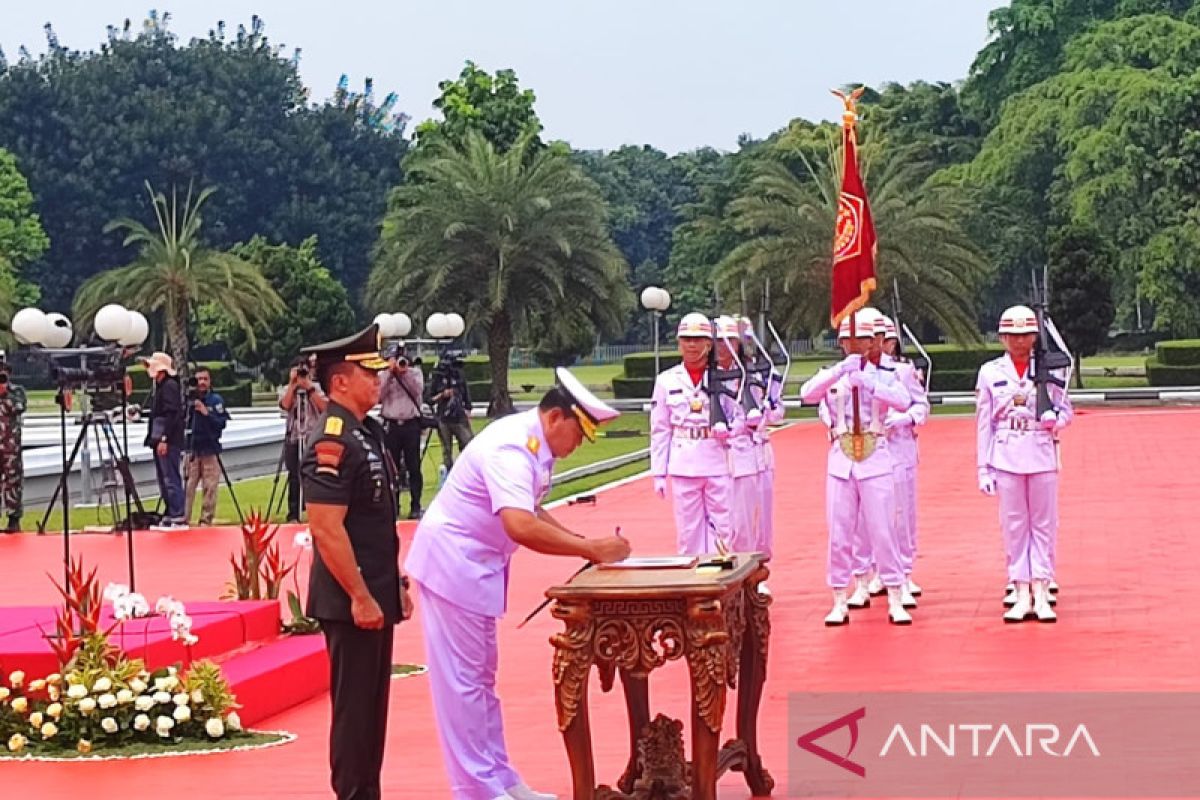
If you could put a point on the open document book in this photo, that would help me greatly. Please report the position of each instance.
(654, 562)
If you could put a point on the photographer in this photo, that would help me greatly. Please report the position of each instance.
(12, 471)
(451, 399)
(208, 418)
(165, 437)
(400, 390)
(303, 402)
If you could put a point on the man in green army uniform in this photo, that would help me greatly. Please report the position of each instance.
(12, 471)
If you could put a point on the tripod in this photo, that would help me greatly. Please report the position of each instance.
(302, 414)
(93, 421)
(189, 435)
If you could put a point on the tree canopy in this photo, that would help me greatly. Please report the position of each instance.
(227, 110)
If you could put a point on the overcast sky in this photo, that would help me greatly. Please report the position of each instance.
(674, 74)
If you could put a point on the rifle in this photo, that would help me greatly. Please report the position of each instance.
(1046, 360)
(924, 363)
(762, 372)
(716, 388)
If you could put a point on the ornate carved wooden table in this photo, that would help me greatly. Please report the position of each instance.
(630, 622)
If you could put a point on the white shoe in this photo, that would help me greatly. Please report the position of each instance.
(876, 587)
(906, 597)
(523, 792)
(861, 598)
(913, 588)
(1041, 603)
(840, 614)
(764, 590)
(1022, 607)
(897, 615)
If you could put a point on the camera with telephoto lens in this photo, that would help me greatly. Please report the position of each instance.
(193, 392)
(97, 370)
(302, 372)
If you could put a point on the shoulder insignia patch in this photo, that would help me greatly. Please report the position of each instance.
(333, 426)
(1000, 383)
(533, 444)
(329, 456)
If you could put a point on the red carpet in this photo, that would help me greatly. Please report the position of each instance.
(1128, 498)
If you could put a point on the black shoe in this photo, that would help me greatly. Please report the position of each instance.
(292, 521)
(415, 513)
(14, 524)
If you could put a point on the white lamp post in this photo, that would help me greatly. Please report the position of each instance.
(656, 301)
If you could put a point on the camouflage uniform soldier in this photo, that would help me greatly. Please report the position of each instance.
(12, 472)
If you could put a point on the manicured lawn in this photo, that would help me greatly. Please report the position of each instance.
(256, 492)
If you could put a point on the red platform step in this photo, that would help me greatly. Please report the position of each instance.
(268, 673)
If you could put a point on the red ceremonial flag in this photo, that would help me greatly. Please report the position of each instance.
(854, 232)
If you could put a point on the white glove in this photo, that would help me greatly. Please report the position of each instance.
(1050, 420)
(987, 481)
(849, 364)
(754, 418)
(660, 487)
(895, 421)
(858, 379)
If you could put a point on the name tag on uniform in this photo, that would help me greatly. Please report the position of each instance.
(999, 383)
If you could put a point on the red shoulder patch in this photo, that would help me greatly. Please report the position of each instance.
(329, 455)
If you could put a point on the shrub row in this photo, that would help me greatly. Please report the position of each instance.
(1159, 374)
(1178, 353)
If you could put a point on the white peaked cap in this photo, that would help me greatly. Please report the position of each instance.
(590, 410)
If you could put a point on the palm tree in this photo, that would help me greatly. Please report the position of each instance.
(175, 271)
(922, 244)
(509, 239)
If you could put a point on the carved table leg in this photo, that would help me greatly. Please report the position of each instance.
(637, 701)
(578, 738)
(572, 664)
(753, 671)
(707, 656)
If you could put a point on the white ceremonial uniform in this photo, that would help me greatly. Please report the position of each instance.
(460, 559)
(683, 447)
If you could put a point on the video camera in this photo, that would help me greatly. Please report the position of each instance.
(91, 368)
(193, 390)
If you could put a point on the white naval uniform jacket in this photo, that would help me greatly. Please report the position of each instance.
(1009, 436)
(882, 391)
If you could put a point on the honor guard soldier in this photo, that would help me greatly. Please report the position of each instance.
(1017, 456)
(773, 413)
(355, 590)
(687, 447)
(744, 454)
(902, 441)
(857, 394)
(490, 505)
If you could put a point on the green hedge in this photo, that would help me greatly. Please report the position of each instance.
(222, 375)
(954, 380)
(477, 369)
(641, 365)
(632, 388)
(239, 395)
(1159, 374)
(951, 358)
(481, 392)
(1178, 353)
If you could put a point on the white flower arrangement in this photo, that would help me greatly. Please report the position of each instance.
(98, 710)
(126, 604)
